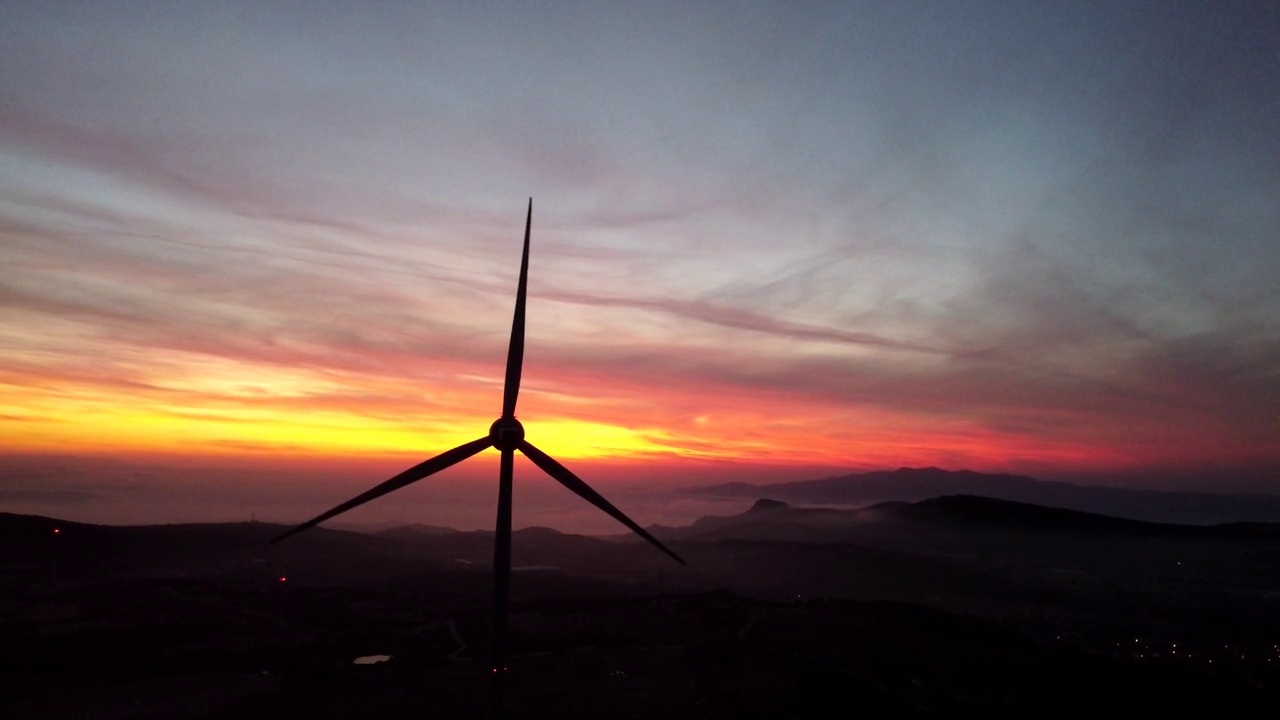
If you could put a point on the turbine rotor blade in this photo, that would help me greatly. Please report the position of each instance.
(562, 475)
(515, 351)
(444, 460)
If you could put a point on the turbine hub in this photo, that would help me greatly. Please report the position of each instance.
(506, 433)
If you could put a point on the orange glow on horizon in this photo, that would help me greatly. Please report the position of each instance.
(187, 405)
(212, 408)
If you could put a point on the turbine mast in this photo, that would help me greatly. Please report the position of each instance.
(501, 584)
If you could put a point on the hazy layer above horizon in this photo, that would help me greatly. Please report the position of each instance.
(131, 494)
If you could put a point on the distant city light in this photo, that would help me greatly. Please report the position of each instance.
(371, 659)
(57, 531)
(283, 579)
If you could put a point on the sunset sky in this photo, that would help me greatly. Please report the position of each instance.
(769, 241)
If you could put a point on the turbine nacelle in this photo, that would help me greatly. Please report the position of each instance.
(506, 433)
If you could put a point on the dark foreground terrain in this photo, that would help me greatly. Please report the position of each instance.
(901, 610)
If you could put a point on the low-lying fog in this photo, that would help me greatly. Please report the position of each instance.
(127, 495)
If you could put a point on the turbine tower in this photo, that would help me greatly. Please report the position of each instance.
(506, 434)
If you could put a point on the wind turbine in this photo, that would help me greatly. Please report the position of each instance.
(507, 435)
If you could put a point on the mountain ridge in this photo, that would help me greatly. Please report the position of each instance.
(915, 484)
(942, 516)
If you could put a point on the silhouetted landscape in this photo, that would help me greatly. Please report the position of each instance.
(952, 604)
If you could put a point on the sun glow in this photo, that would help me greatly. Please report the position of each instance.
(216, 409)
(581, 439)
(210, 416)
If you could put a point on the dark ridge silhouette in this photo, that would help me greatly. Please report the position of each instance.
(507, 435)
(414, 531)
(914, 484)
(775, 520)
(87, 551)
(974, 510)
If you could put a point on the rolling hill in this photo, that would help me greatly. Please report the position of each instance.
(914, 484)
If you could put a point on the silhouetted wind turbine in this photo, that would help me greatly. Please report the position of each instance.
(507, 435)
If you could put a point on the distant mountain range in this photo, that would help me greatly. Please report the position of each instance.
(47, 547)
(914, 484)
(935, 521)
(951, 551)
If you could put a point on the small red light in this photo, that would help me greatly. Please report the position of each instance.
(283, 579)
(56, 531)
